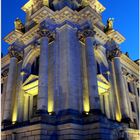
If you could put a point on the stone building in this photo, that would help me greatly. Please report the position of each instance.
(65, 76)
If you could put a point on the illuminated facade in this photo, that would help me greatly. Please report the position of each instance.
(65, 76)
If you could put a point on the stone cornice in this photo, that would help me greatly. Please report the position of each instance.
(129, 64)
(66, 14)
(13, 36)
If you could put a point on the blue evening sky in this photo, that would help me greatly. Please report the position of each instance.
(125, 13)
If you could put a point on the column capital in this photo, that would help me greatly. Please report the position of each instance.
(13, 52)
(82, 35)
(89, 33)
(113, 53)
(43, 32)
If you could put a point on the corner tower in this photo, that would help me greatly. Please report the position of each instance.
(64, 75)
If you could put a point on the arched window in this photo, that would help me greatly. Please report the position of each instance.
(35, 67)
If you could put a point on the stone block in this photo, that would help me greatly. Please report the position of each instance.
(28, 133)
(36, 132)
(31, 138)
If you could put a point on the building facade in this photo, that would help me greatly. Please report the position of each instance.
(65, 76)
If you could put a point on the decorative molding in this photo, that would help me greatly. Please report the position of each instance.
(113, 53)
(89, 33)
(4, 73)
(13, 52)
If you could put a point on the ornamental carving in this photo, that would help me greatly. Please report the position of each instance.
(5, 73)
(82, 35)
(113, 53)
(43, 32)
(89, 33)
(13, 52)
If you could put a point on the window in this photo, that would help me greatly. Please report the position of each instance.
(35, 67)
(98, 68)
(34, 105)
(1, 88)
(129, 87)
(138, 91)
(132, 107)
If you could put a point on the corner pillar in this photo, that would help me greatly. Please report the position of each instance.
(91, 70)
(42, 101)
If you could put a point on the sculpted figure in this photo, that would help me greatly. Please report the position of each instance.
(18, 25)
(109, 24)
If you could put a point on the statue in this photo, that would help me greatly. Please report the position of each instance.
(109, 25)
(18, 25)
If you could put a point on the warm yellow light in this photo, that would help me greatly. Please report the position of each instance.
(27, 6)
(50, 106)
(86, 104)
(31, 88)
(118, 116)
(14, 116)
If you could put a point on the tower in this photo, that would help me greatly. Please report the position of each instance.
(65, 76)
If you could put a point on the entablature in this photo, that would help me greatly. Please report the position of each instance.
(130, 65)
(66, 14)
(13, 36)
(116, 36)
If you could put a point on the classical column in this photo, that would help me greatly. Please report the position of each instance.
(115, 56)
(112, 94)
(107, 107)
(42, 103)
(11, 88)
(20, 99)
(91, 70)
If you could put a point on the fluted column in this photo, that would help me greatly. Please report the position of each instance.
(115, 57)
(11, 88)
(91, 70)
(42, 103)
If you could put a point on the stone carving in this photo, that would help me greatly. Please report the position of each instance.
(13, 52)
(5, 73)
(89, 33)
(85, 33)
(109, 26)
(44, 32)
(113, 53)
(19, 25)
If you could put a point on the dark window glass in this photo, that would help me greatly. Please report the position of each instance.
(132, 107)
(1, 88)
(98, 68)
(129, 87)
(138, 91)
(34, 105)
(35, 67)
